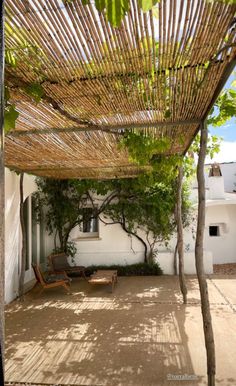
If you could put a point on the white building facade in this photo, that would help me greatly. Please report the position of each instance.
(109, 244)
(220, 230)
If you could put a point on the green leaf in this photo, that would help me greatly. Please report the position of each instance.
(115, 10)
(99, 99)
(10, 58)
(155, 12)
(35, 90)
(6, 94)
(100, 5)
(181, 140)
(10, 118)
(225, 108)
(233, 84)
(167, 113)
(146, 5)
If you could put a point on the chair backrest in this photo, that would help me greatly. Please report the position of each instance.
(59, 262)
(38, 274)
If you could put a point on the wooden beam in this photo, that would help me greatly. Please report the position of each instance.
(119, 129)
(205, 305)
(2, 196)
(79, 168)
(103, 172)
(226, 74)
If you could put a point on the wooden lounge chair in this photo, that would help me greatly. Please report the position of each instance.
(52, 280)
(59, 263)
(104, 277)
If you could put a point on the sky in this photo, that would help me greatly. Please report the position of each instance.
(228, 133)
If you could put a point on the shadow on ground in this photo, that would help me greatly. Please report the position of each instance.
(139, 335)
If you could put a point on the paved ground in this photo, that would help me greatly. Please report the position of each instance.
(139, 335)
(225, 269)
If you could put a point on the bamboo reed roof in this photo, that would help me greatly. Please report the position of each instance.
(159, 73)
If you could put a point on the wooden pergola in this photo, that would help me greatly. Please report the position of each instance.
(159, 73)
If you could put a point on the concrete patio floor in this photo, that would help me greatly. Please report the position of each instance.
(139, 335)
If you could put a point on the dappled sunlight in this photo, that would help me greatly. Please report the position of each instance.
(94, 336)
(73, 332)
(134, 336)
(156, 330)
(149, 293)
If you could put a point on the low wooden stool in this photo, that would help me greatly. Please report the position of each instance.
(104, 277)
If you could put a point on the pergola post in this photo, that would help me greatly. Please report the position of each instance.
(24, 237)
(205, 306)
(2, 193)
(180, 240)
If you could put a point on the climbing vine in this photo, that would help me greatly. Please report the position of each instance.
(114, 11)
(11, 114)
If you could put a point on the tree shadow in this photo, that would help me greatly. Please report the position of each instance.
(135, 336)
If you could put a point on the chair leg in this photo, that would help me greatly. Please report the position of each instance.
(67, 288)
(41, 291)
(112, 284)
(84, 276)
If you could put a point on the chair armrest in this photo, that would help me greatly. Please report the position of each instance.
(57, 272)
(60, 273)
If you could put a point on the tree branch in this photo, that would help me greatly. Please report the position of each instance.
(109, 223)
(212, 61)
(49, 100)
(123, 224)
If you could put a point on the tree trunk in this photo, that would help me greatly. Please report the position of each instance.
(138, 237)
(24, 236)
(175, 258)
(141, 240)
(205, 306)
(180, 242)
(2, 196)
(150, 256)
(176, 246)
(61, 239)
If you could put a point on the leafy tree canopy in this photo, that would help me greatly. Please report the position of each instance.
(224, 108)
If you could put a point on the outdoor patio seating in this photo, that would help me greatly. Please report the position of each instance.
(59, 263)
(52, 280)
(104, 277)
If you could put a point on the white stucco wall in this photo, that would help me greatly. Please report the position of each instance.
(166, 262)
(112, 247)
(223, 247)
(12, 229)
(228, 171)
(216, 188)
